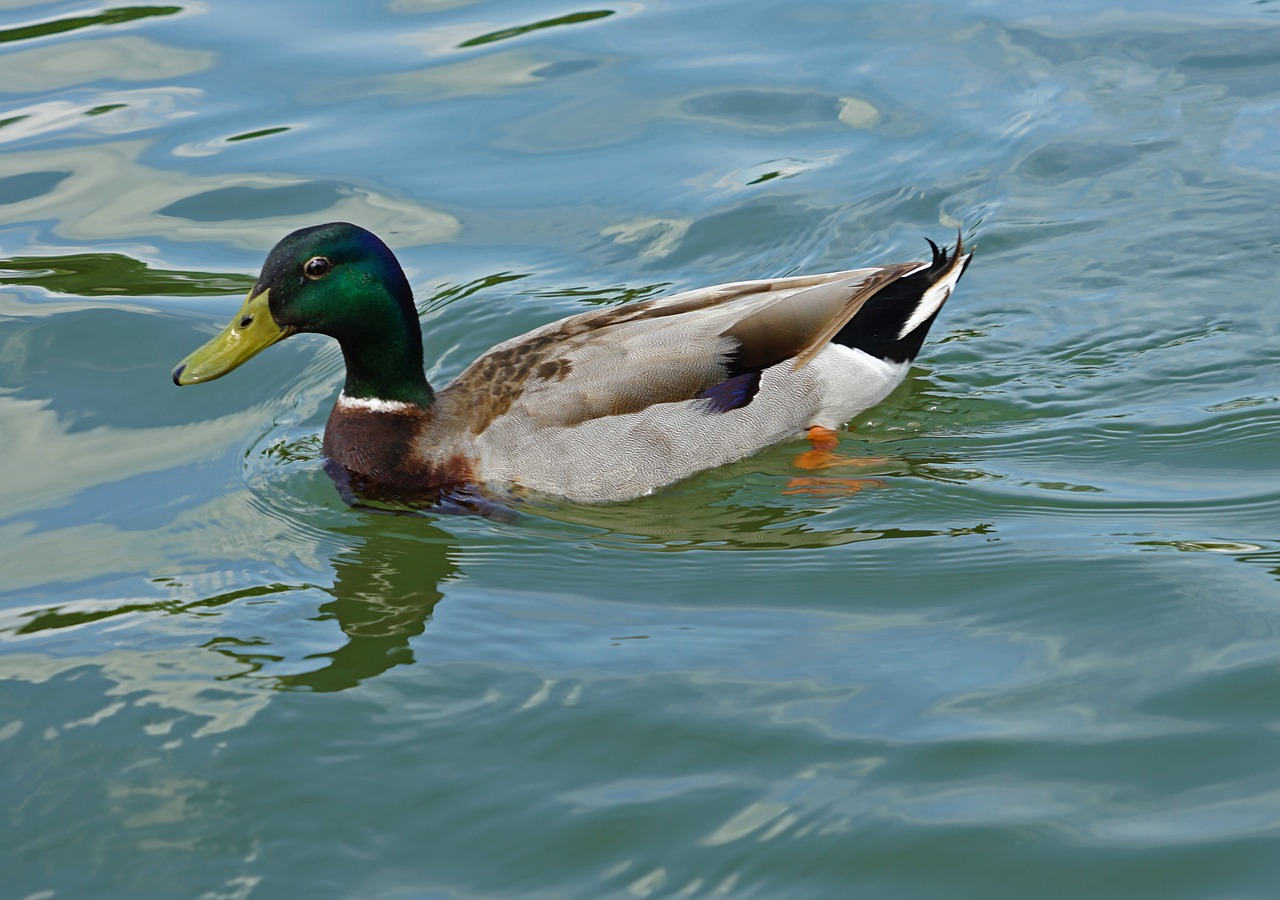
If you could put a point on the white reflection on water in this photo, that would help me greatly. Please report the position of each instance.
(493, 73)
(109, 194)
(174, 679)
(125, 58)
(46, 462)
(131, 111)
(1217, 813)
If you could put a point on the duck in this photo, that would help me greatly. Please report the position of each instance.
(603, 406)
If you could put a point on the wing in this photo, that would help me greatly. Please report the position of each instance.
(627, 358)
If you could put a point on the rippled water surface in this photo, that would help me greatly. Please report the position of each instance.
(1040, 658)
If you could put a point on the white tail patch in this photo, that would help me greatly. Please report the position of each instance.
(932, 299)
(372, 405)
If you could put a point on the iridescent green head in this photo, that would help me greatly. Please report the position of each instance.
(335, 279)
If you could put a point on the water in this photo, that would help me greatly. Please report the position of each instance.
(1040, 660)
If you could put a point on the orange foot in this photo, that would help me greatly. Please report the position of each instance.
(830, 486)
(824, 442)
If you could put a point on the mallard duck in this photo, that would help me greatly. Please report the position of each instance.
(604, 405)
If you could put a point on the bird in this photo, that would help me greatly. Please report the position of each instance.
(603, 406)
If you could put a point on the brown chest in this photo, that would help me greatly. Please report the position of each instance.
(388, 452)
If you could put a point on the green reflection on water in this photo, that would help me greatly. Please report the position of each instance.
(453, 293)
(260, 133)
(606, 296)
(71, 617)
(386, 586)
(385, 589)
(114, 274)
(505, 33)
(107, 17)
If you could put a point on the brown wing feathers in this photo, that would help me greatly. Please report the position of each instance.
(794, 327)
(799, 326)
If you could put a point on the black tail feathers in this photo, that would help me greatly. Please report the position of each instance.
(894, 323)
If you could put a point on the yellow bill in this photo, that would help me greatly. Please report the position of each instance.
(250, 332)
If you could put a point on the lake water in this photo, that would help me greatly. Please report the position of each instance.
(1040, 659)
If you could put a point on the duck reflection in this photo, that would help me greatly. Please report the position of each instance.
(388, 577)
(385, 589)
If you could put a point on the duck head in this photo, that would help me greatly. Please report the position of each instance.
(339, 280)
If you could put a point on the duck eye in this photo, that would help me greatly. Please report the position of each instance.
(316, 267)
